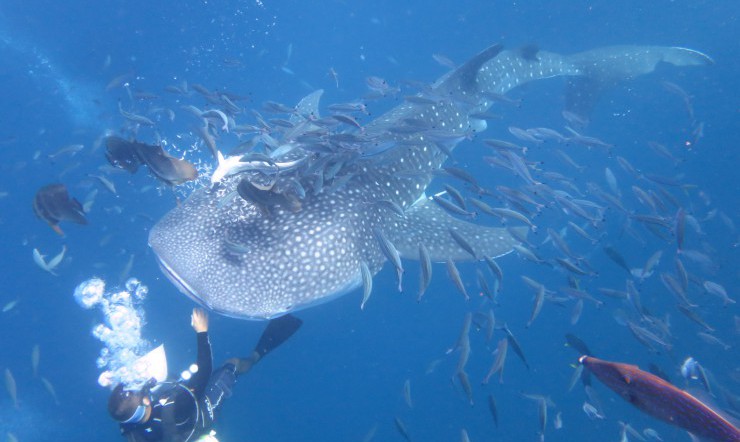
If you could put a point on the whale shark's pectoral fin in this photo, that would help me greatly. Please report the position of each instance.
(686, 57)
(426, 223)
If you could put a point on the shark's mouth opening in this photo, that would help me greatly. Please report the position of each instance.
(181, 285)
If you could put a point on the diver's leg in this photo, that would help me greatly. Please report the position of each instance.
(243, 365)
(220, 387)
(277, 331)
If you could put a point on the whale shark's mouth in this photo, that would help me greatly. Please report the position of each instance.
(180, 283)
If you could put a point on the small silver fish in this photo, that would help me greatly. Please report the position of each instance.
(108, 184)
(367, 284)
(407, 393)
(12, 388)
(10, 305)
(50, 266)
(425, 276)
(50, 388)
(717, 290)
(35, 358)
(498, 363)
(454, 274)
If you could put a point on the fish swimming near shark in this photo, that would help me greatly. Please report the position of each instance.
(53, 205)
(307, 229)
(129, 155)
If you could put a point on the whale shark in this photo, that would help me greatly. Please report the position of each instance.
(329, 201)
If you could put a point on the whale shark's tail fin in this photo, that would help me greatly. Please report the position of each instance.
(604, 68)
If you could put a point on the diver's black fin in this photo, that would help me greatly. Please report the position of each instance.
(277, 331)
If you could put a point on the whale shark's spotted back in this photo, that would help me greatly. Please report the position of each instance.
(308, 237)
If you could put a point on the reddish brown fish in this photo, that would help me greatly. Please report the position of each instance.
(662, 400)
(53, 205)
(129, 155)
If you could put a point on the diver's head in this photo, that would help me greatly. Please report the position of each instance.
(129, 406)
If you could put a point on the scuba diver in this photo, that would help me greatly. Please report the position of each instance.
(183, 411)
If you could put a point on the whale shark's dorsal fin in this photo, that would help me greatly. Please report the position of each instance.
(464, 78)
(308, 107)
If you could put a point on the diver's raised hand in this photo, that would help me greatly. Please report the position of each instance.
(199, 320)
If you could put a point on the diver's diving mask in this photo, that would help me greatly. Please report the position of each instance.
(140, 411)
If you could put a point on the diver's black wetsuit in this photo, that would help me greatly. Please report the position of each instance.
(182, 411)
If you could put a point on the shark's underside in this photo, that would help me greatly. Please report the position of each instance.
(298, 227)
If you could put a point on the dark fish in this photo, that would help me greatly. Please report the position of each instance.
(122, 154)
(53, 205)
(166, 168)
(128, 155)
(576, 343)
(660, 399)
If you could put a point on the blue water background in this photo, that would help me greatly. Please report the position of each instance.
(342, 374)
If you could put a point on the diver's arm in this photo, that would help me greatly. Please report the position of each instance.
(199, 321)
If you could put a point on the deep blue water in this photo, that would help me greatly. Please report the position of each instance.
(343, 373)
